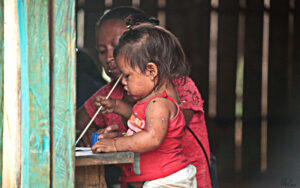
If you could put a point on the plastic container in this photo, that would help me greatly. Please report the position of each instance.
(94, 138)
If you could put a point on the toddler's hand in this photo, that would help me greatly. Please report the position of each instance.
(108, 105)
(104, 145)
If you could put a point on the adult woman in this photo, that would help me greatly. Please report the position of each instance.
(109, 29)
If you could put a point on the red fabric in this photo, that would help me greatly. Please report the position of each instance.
(167, 159)
(190, 98)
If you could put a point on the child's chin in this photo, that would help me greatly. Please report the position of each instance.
(135, 98)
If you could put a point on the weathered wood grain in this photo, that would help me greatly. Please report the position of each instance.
(1, 83)
(11, 114)
(34, 42)
(63, 92)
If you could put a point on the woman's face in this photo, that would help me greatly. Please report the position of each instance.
(107, 37)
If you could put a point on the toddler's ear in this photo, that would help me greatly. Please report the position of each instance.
(151, 69)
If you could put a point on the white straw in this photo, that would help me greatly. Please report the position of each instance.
(100, 107)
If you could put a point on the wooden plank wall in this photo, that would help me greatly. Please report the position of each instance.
(39, 93)
(246, 21)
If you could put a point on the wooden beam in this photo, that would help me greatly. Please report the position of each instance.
(103, 158)
(63, 92)
(226, 78)
(278, 60)
(252, 86)
(198, 31)
(227, 58)
(34, 45)
(277, 85)
(1, 83)
(11, 115)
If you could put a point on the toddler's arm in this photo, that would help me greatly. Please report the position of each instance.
(158, 114)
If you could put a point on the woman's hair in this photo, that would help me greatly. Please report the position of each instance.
(148, 43)
(125, 13)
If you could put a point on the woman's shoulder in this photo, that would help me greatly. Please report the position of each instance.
(189, 95)
(183, 82)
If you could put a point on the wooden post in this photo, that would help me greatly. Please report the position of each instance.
(11, 115)
(35, 90)
(226, 77)
(252, 86)
(1, 84)
(277, 84)
(198, 31)
(63, 92)
(278, 60)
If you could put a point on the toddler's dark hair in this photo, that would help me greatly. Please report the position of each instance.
(135, 15)
(148, 43)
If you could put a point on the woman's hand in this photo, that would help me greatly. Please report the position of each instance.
(108, 105)
(104, 145)
(111, 131)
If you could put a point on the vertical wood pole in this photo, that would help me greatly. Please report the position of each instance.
(277, 84)
(63, 92)
(93, 9)
(11, 115)
(226, 77)
(1, 85)
(34, 45)
(278, 60)
(198, 31)
(252, 86)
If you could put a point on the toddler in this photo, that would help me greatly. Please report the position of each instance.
(149, 58)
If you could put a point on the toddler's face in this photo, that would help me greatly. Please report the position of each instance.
(137, 84)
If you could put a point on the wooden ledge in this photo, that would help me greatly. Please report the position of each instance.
(87, 158)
